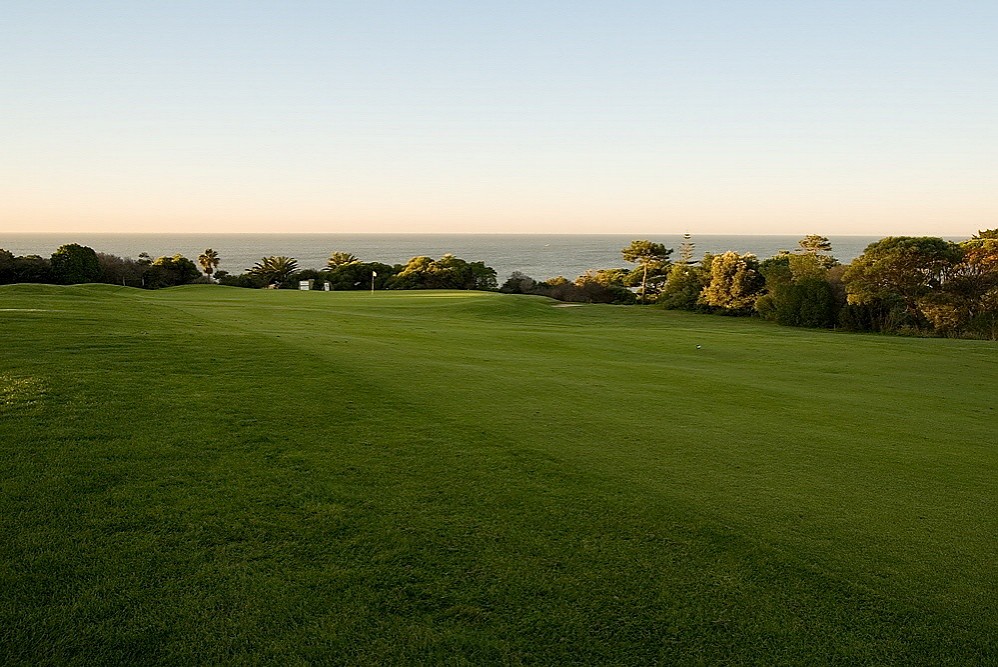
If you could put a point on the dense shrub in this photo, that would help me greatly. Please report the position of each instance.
(72, 264)
(121, 270)
(170, 271)
(683, 287)
(356, 275)
(448, 272)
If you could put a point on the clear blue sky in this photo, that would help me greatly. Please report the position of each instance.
(833, 117)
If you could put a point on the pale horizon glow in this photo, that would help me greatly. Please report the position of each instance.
(713, 117)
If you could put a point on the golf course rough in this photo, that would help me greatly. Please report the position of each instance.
(214, 475)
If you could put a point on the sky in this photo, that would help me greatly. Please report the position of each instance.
(872, 117)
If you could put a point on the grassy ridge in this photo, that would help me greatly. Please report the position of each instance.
(207, 474)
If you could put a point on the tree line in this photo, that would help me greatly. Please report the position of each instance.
(73, 264)
(901, 284)
(345, 271)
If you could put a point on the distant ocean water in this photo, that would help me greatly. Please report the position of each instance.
(538, 256)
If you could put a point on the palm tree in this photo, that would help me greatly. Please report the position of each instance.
(339, 258)
(274, 269)
(209, 261)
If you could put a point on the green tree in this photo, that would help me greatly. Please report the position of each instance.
(32, 269)
(969, 292)
(242, 280)
(357, 276)
(686, 249)
(948, 312)
(316, 276)
(808, 302)
(170, 271)
(562, 289)
(648, 256)
(735, 283)
(816, 249)
(448, 272)
(6, 267)
(683, 286)
(209, 261)
(518, 283)
(979, 268)
(896, 272)
(416, 274)
(120, 270)
(483, 277)
(73, 264)
(799, 291)
(605, 286)
(339, 258)
(274, 270)
(809, 266)
(814, 244)
(778, 280)
(605, 277)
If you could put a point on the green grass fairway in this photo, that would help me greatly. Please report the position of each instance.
(210, 475)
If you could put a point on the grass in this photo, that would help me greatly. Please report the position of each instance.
(213, 475)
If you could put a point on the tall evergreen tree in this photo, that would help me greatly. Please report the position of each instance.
(686, 250)
(817, 246)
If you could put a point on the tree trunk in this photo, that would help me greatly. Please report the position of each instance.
(644, 281)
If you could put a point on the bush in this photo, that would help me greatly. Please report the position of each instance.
(73, 264)
(170, 271)
(518, 283)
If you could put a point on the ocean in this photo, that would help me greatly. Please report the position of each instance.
(539, 256)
